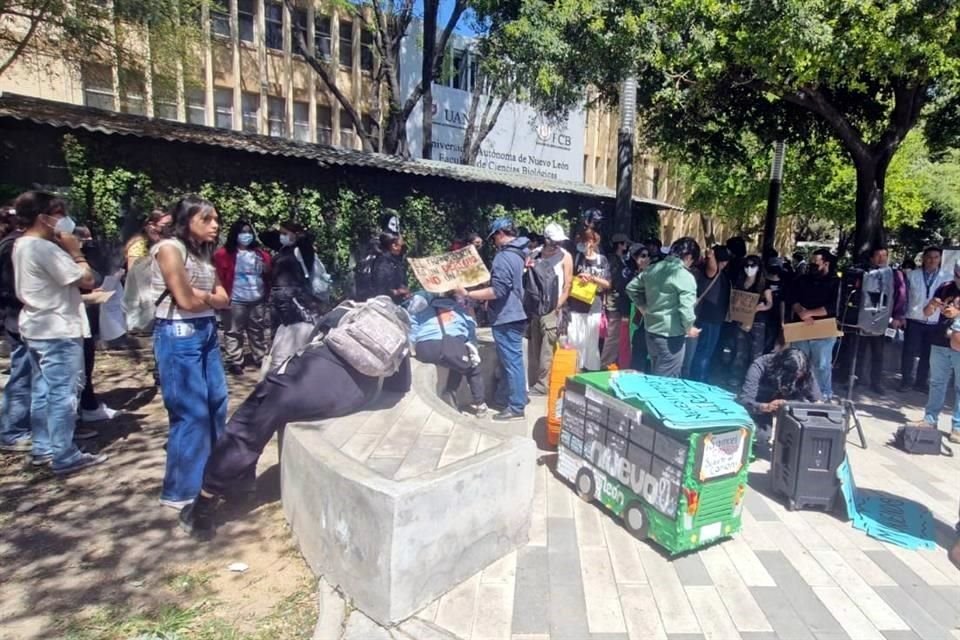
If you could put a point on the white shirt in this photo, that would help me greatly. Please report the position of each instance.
(918, 295)
(200, 275)
(45, 277)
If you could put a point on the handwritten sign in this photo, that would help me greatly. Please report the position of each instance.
(743, 307)
(439, 274)
(722, 454)
(799, 331)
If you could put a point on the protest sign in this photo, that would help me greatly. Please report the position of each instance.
(798, 331)
(462, 268)
(743, 307)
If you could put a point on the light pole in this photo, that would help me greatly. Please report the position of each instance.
(628, 119)
(773, 197)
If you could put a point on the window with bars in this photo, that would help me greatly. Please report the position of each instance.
(301, 121)
(246, 19)
(196, 106)
(223, 108)
(133, 89)
(298, 30)
(220, 18)
(366, 50)
(277, 116)
(250, 109)
(346, 43)
(346, 130)
(322, 37)
(274, 23)
(165, 97)
(461, 70)
(98, 86)
(324, 124)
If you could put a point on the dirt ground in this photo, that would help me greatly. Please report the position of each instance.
(96, 556)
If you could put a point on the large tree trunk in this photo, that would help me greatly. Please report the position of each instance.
(870, 182)
(430, 9)
(395, 135)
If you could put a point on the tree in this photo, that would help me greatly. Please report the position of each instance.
(80, 31)
(388, 21)
(862, 73)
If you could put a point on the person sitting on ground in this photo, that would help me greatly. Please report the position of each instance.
(445, 334)
(313, 384)
(773, 380)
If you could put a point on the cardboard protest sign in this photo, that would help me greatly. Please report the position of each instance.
(797, 331)
(743, 307)
(462, 268)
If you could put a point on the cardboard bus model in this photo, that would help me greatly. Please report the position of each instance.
(681, 487)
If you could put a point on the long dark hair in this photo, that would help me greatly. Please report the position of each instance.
(760, 283)
(304, 243)
(235, 229)
(791, 372)
(183, 212)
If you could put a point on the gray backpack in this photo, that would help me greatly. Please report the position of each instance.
(372, 337)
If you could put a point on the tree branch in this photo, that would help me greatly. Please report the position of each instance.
(812, 99)
(35, 21)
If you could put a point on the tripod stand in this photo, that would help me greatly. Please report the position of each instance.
(850, 408)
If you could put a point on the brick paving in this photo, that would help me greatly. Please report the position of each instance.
(803, 575)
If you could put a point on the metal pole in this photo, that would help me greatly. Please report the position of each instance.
(773, 197)
(628, 117)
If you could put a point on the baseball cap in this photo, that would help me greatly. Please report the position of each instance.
(775, 263)
(636, 248)
(721, 253)
(620, 237)
(499, 225)
(554, 233)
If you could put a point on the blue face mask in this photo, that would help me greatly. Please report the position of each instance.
(245, 239)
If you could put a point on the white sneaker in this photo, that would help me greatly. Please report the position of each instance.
(175, 504)
(101, 413)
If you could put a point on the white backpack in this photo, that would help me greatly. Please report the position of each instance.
(372, 336)
(320, 280)
(138, 298)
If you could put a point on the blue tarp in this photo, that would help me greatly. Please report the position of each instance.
(681, 404)
(885, 516)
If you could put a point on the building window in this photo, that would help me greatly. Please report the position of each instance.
(301, 121)
(220, 18)
(324, 124)
(346, 43)
(223, 108)
(346, 130)
(246, 15)
(251, 112)
(366, 50)
(274, 20)
(321, 36)
(459, 70)
(98, 86)
(132, 91)
(298, 30)
(196, 107)
(474, 82)
(277, 115)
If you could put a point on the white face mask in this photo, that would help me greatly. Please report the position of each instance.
(581, 247)
(287, 240)
(65, 225)
(751, 271)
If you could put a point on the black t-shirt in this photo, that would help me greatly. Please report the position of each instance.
(389, 273)
(950, 295)
(715, 304)
(777, 290)
(597, 267)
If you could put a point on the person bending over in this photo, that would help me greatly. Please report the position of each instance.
(775, 379)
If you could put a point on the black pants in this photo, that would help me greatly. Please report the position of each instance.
(874, 346)
(315, 385)
(430, 352)
(88, 397)
(916, 344)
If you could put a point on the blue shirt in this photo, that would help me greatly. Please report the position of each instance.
(506, 278)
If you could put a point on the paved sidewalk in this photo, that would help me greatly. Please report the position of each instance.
(801, 575)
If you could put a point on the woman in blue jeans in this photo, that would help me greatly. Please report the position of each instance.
(185, 345)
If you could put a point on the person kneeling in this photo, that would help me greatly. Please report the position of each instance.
(445, 334)
(772, 381)
(319, 382)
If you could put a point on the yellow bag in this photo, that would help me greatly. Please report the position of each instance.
(585, 292)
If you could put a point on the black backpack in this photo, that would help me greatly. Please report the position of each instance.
(363, 277)
(8, 291)
(541, 290)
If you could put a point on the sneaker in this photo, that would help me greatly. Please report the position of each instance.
(451, 399)
(85, 460)
(101, 413)
(85, 433)
(197, 518)
(235, 369)
(538, 390)
(174, 504)
(479, 410)
(23, 445)
(41, 461)
(509, 415)
(954, 437)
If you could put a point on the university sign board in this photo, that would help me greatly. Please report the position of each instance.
(522, 141)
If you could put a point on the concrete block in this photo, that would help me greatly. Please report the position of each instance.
(394, 546)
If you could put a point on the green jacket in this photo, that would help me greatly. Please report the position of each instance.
(667, 294)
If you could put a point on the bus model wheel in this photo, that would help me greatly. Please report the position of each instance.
(635, 520)
(586, 485)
